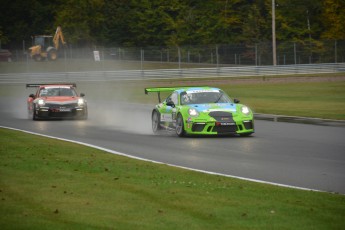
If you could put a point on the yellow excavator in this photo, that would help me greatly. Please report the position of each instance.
(46, 46)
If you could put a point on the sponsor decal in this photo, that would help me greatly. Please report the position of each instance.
(166, 117)
(224, 123)
(61, 110)
(221, 109)
(202, 90)
(65, 110)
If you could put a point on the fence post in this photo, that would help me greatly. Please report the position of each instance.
(65, 57)
(295, 55)
(27, 62)
(335, 52)
(168, 56)
(217, 57)
(141, 58)
(256, 54)
(179, 57)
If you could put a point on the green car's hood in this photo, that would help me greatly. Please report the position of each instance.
(226, 107)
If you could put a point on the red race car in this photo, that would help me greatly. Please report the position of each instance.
(56, 101)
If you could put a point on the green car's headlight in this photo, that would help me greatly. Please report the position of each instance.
(245, 110)
(40, 102)
(193, 112)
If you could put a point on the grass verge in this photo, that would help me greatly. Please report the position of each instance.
(51, 184)
(318, 96)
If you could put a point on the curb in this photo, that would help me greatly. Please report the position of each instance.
(301, 120)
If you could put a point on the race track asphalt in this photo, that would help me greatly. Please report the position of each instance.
(302, 155)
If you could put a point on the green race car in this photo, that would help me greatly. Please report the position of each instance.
(200, 111)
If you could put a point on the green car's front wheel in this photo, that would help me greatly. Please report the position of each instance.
(155, 121)
(180, 126)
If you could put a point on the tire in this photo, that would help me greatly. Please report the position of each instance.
(38, 58)
(156, 120)
(52, 55)
(85, 116)
(29, 111)
(180, 126)
(245, 134)
(34, 117)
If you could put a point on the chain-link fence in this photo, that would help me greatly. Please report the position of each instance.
(115, 58)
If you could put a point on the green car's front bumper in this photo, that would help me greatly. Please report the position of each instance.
(213, 126)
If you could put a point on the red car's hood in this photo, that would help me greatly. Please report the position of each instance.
(60, 99)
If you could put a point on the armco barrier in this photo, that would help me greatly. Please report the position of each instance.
(172, 73)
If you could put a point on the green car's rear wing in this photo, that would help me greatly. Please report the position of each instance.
(159, 90)
(168, 89)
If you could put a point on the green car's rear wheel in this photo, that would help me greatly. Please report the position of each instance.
(180, 126)
(155, 121)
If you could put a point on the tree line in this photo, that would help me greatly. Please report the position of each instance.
(144, 23)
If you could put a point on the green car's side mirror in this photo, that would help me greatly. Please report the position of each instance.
(170, 103)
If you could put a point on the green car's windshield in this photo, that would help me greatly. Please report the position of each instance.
(204, 97)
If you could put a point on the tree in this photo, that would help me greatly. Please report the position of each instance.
(25, 18)
(256, 21)
(333, 19)
(172, 23)
(298, 20)
(81, 21)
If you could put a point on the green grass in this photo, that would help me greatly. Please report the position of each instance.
(51, 184)
(307, 99)
(318, 98)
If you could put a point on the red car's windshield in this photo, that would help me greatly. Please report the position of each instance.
(57, 91)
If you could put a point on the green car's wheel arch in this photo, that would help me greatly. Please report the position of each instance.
(180, 126)
(156, 120)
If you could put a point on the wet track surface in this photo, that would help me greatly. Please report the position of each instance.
(308, 156)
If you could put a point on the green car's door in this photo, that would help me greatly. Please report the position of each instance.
(168, 110)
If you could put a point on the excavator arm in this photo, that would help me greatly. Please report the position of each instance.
(58, 37)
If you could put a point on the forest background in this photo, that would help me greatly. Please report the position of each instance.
(161, 23)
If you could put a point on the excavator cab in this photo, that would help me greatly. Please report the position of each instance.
(46, 47)
(44, 41)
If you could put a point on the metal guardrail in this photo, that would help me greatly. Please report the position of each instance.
(301, 120)
(171, 73)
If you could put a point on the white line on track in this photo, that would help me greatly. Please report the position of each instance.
(157, 162)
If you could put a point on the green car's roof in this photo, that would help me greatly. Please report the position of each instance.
(179, 89)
